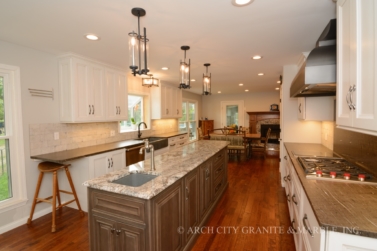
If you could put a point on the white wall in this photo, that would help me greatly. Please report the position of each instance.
(38, 70)
(261, 101)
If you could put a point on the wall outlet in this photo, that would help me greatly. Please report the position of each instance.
(56, 135)
(112, 133)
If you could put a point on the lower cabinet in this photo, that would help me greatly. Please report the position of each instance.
(166, 222)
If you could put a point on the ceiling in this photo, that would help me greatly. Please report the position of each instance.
(218, 33)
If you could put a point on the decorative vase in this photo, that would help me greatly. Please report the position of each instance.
(133, 126)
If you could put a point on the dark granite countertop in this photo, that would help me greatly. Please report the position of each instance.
(338, 206)
(68, 155)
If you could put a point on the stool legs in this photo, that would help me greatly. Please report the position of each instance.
(35, 197)
(73, 189)
(54, 192)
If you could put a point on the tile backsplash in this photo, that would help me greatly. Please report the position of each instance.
(72, 136)
(327, 135)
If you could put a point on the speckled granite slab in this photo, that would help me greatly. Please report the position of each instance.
(338, 206)
(170, 167)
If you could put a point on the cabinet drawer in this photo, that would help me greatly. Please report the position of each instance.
(122, 206)
(219, 158)
(218, 170)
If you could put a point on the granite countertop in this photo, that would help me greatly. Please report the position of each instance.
(170, 167)
(68, 155)
(338, 206)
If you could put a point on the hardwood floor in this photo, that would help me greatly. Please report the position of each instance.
(248, 217)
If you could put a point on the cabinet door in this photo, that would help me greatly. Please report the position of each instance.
(356, 89)
(97, 92)
(80, 75)
(168, 218)
(130, 237)
(117, 96)
(205, 187)
(118, 159)
(191, 203)
(98, 165)
(103, 231)
(178, 104)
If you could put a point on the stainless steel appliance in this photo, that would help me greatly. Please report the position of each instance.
(334, 169)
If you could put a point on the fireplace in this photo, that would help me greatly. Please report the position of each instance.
(275, 132)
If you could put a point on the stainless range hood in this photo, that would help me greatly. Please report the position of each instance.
(317, 76)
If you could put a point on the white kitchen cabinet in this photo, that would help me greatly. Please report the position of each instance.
(117, 95)
(104, 163)
(177, 141)
(90, 91)
(166, 102)
(341, 241)
(316, 108)
(357, 65)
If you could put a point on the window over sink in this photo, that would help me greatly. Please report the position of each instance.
(137, 112)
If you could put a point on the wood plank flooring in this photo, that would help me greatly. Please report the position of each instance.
(253, 200)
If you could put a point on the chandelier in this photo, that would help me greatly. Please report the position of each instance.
(207, 81)
(184, 71)
(138, 46)
(151, 81)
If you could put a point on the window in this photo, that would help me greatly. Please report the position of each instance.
(232, 113)
(12, 169)
(136, 114)
(188, 121)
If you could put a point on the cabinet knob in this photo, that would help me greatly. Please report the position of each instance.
(118, 232)
(112, 230)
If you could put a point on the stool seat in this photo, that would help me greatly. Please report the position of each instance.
(51, 167)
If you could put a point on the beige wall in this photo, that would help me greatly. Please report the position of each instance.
(327, 135)
(211, 105)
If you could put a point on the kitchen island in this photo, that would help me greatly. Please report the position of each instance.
(163, 213)
(344, 214)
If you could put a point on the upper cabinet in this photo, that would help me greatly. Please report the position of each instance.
(356, 60)
(90, 92)
(316, 108)
(166, 102)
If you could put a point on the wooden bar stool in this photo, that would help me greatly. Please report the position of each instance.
(50, 167)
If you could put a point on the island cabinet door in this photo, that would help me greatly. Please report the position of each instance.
(205, 187)
(167, 218)
(191, 203)
(103, 231)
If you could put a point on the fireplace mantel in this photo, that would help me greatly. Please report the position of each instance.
(254, 117)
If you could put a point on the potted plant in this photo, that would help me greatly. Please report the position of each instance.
(133, 124)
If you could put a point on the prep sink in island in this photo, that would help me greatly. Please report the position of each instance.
(188, 184)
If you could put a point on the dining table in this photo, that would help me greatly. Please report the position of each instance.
(249, 137)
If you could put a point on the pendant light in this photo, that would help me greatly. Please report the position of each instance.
(184, 71)
(151, 81)
(207, 81)
(138, 46)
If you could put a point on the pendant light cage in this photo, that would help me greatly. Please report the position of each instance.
(207, 81)
(138, 46)
(151, 81)
(184, 70)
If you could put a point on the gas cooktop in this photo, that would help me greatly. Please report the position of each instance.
(335, 169)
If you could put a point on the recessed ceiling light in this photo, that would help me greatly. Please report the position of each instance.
(165, 68)
(240, 84)
(277, 88)
(260, 74)
(240, 3)
(246, 90)
(256, 57)
(92, 37)
(279, 82)
(219, 92)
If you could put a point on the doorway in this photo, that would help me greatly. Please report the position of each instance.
(232, 112)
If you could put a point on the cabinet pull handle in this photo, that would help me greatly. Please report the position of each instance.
(218, 187)
(108, 166)
(112, 162)
(182, 143)
(90, 110)
(119, 110)
(299, 108)
(285, 157)
(118, 232)
(177, 111)
(306, 227)
(112, 230)
(293, 222)
(181, 137)
(219, 169)
(93, 109)
(187, 193)
(285, 178)
(172, 145)
(289, 200)
(116, 108)
(294, 199)
(352, 90)
(289, 177)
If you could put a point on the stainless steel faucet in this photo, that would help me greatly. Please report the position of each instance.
(138, 129)
(148, 148)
